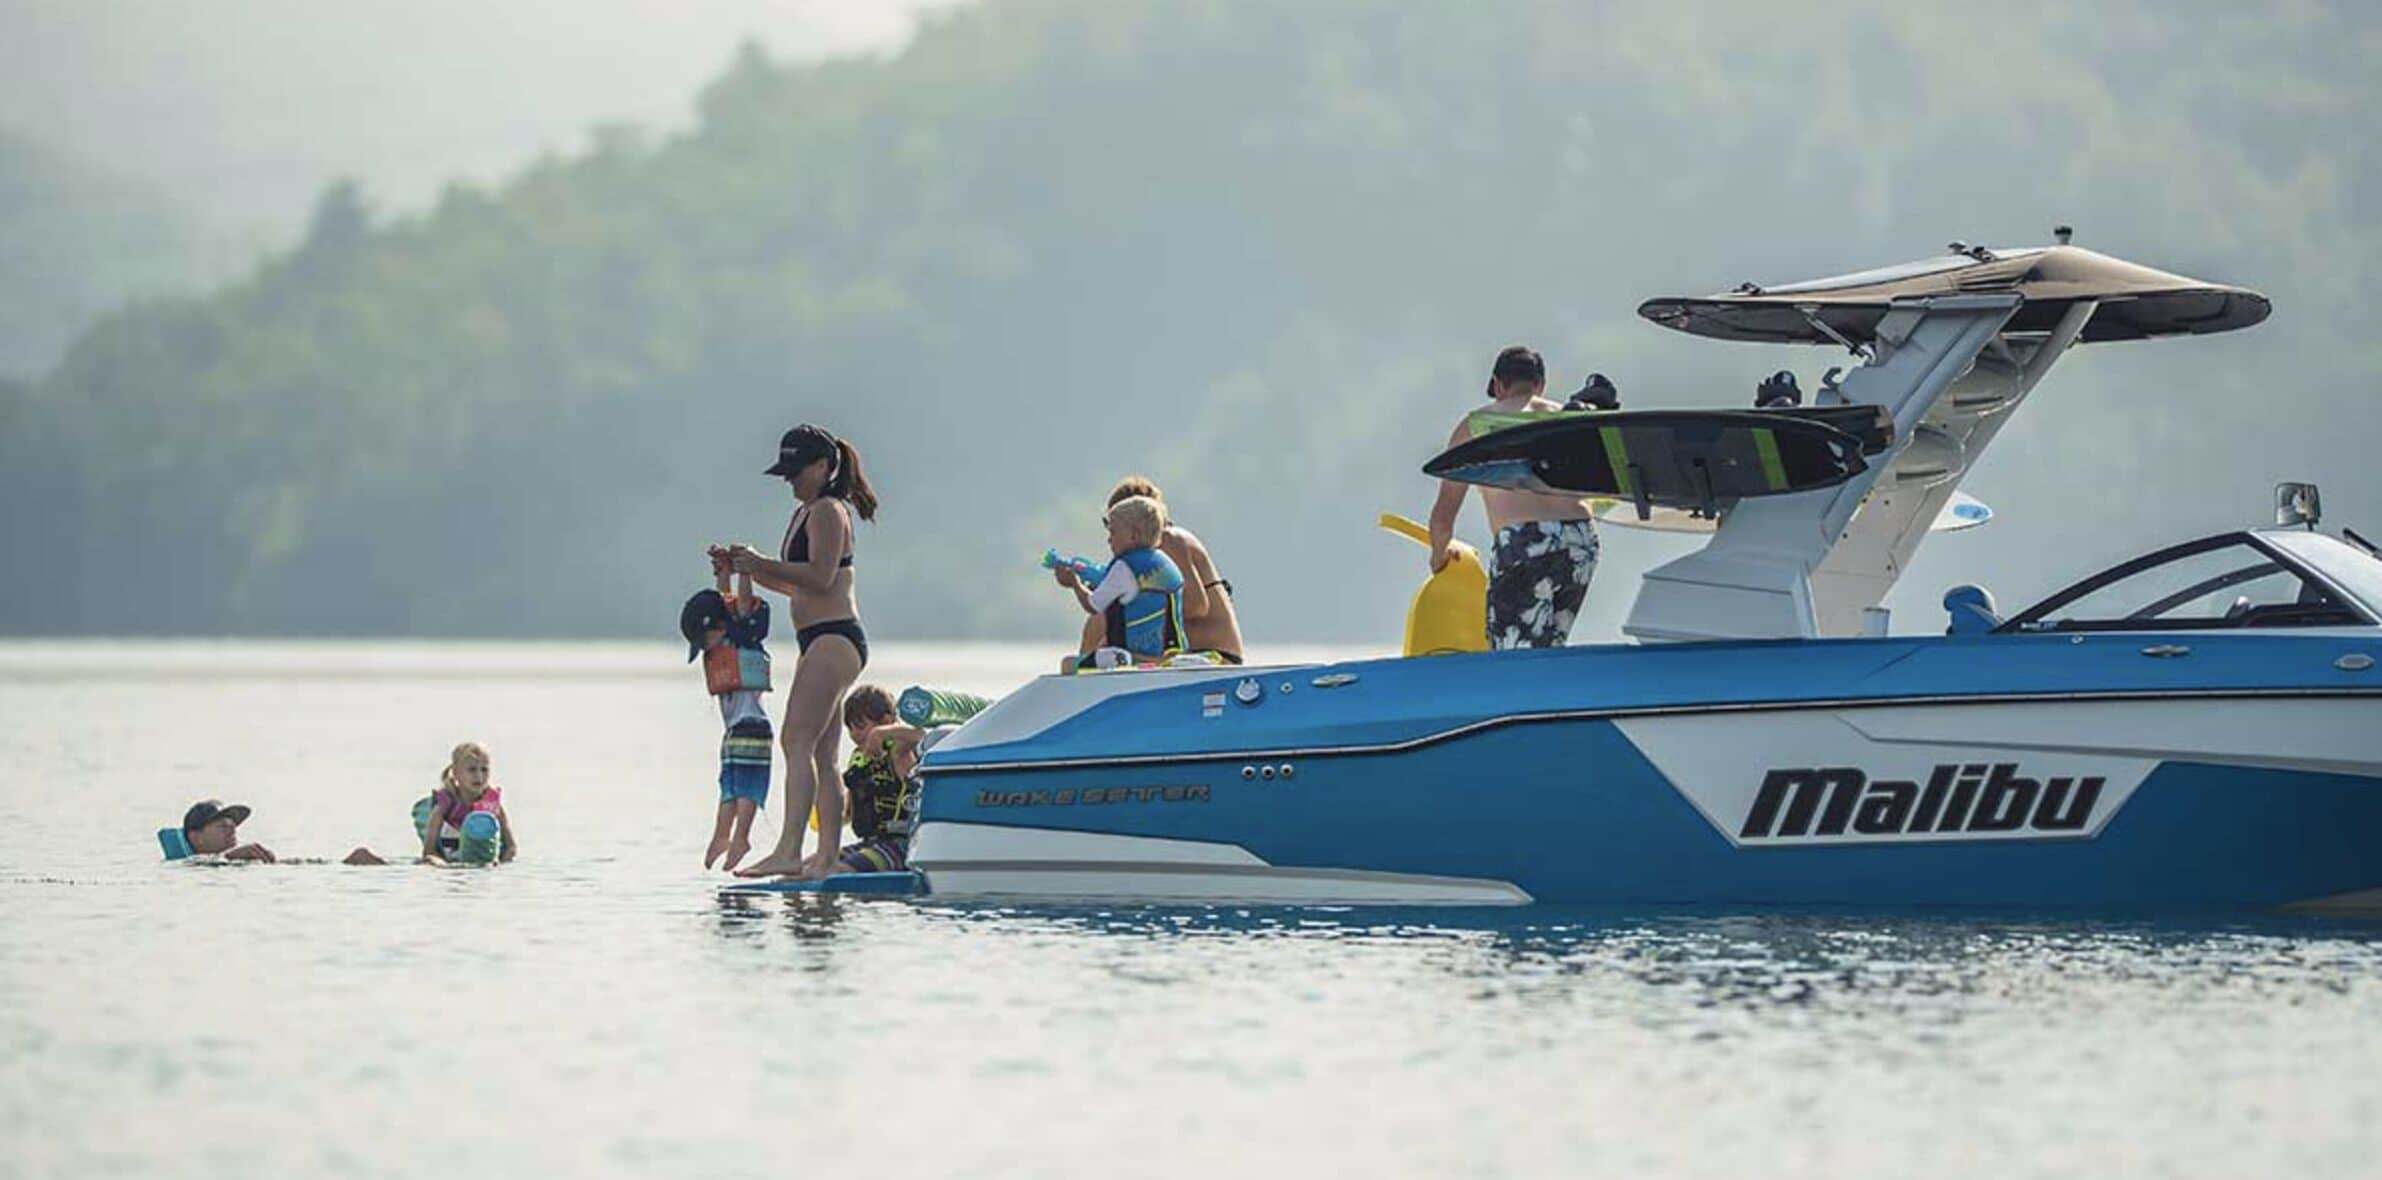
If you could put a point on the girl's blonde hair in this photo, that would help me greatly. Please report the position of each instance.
(446, 777)
(1140, 518)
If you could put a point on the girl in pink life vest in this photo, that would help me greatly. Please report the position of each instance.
(464, 821)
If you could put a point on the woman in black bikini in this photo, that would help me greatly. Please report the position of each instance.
(813, 569)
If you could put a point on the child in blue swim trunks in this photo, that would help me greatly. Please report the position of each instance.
(727, 630)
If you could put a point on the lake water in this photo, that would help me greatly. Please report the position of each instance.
(597, 1009)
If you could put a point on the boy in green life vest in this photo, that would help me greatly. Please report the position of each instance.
(881, 795)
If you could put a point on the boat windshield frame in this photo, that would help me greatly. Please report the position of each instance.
(2347, 609)
(2352, 573)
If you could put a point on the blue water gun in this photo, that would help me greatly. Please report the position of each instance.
(1085, 568)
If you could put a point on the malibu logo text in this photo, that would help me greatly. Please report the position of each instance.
(1843, 801)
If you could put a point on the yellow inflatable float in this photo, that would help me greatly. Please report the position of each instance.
(1450, 612)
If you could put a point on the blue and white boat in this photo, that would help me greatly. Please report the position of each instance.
(2201, 726)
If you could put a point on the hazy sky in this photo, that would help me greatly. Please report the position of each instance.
(246, 108)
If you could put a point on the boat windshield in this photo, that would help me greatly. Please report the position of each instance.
(2353, 570)
(1885, 274)
(2222, 581)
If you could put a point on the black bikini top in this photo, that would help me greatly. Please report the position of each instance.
(798, 541)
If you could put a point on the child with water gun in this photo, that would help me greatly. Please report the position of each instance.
(1140, 592)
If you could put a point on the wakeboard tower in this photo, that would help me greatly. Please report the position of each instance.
(1947, 348)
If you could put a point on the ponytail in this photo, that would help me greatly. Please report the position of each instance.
(849, 485)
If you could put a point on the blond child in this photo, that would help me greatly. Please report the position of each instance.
(1140, 593)
(464, 820)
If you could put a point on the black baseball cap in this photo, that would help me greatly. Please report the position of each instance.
(207, 811)
(1519, 364)
(799, 448)
(701, 613)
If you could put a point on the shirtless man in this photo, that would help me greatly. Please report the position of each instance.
(1545, 546)
(1209, 623)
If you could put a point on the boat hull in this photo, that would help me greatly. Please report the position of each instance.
(2097, 795)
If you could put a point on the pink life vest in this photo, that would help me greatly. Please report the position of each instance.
(450, 808)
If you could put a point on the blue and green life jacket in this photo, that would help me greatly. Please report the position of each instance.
(1149, 624)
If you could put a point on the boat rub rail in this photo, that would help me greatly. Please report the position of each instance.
(1627, 711)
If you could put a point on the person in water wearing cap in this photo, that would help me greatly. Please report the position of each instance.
(1545, 549)
(726, 630)
(813, 569)
(1210, 623)
(211, 828)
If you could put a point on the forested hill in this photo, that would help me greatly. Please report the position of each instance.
(1261, 251)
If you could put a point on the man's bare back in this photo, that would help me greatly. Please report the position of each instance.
(1542, 547)
(1506, 507)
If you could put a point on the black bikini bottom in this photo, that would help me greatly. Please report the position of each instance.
(848, 628)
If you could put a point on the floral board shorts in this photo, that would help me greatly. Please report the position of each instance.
(1538, 576)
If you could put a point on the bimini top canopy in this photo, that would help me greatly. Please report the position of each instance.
(2136, 302)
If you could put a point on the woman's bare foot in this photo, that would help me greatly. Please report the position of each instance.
(736, 852)
(774, 865)
(822, 863)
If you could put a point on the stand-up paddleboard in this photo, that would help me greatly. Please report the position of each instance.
(1673, 458)
(1963, 511)
(1451, 611)
(903, 884)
